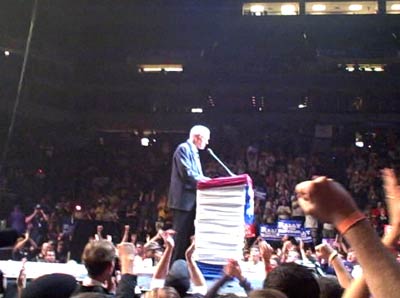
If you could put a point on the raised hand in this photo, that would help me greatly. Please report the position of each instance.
(323, 251)
(266, 250)
(99, 230)
(190, 250)
(392, 192)
(232, 268)
(168, 238)
(325, 199)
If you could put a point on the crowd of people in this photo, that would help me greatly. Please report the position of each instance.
(292, 272)
(130, 188)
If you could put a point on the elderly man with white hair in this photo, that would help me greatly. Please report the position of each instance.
(186, 172)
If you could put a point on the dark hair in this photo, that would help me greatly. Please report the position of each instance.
(90, 295)
(330, 287)
(58, 285)
(267, 293)
(294, 280)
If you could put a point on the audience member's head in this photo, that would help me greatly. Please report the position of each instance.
(329, 287)
(178, 277)
(294, 280)
(91, 295)
(267, 293)
(51, 285)
(50, 256)
(99, 257)
(164, 292)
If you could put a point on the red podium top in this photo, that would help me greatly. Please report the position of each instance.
(225, 181)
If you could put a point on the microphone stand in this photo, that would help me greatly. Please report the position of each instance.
(220, 162)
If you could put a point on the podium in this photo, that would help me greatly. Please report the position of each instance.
(224, 207)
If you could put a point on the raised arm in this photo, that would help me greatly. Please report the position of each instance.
(127, 284)
(21, 243)
(29, 218)
(330, 202)
(163, 265)
(21, 280)
(125, 236)
(266, 252)
(154, 238)
(359, 288)
(331, 257)
(196, 276)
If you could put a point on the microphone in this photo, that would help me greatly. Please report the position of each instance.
(220, 162)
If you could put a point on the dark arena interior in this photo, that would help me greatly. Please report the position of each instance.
(96, 95)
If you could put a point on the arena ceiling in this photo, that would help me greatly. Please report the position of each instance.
(85, 59)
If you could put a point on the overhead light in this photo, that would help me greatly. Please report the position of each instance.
(302, 106)
(359, 140)
(145, 142)
(152, 69)
(257, 9)
(395, 6)
(367, 69)
(318, 7)
(6, 53)
(288, 9)
(160, 67)
(350, 68)
(378, 68)
(359, 144)
(197, 110)
(355, 7)
(173, 69)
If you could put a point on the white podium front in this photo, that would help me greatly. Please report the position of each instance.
(224, 206)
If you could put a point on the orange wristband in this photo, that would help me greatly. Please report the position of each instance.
(350, 221)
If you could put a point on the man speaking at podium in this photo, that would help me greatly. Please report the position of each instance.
(186, 172)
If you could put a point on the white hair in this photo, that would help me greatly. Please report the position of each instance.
(199, 130)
